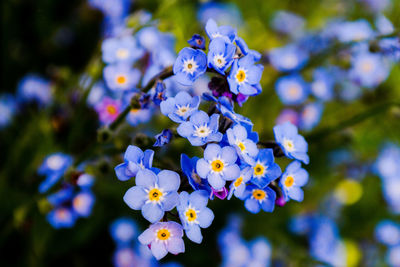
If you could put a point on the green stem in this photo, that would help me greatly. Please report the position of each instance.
(351, 121)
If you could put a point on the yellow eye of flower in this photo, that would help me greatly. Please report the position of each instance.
(112, 110)
(61, 214)
(217, 165)
(288, 144)
(289, 181)
(134, 110)
(259, 169)
(155, 194)
(240, 76)
(259, 194)
(241, 146)
(163, 234)
(238, 181)
(191, 215)
(121, 79)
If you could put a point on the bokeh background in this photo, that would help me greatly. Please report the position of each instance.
(61, 41)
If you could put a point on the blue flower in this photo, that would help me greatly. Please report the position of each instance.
(265, 170)
(244, 49)
(123, 230)
(83, 202)
(61, 196)
(85, 181)
(353, 31)
(125, 257)
(200, 129)
(190, 65)
(388, 233)
(384, 25)
(163, 237)
(310, 116)
(8, 107)
(368, 69)
(194, 214)
(218, 165)
(137, 116)
(288, 58)
(188, 166)
(159, 94)
(163, 138)
(292, 179)
(121, 77)
(245, 77)
(238, 186)
(134, 160)
(34, 88)
(61, 217)
(322, 85)
(288, 23)
(292, 89)
(293, 145)
(180, 107)
(386, 164)
(154, 194)
(213, 31)
(220, 54)
(197, 41)
(53, 167)
(123, 49)
(257, 198)
(245, 147)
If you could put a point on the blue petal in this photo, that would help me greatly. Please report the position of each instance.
(296, 193)
(228, 155)
(158, 250)
(152, 212)
(252, 205)
(133, 153)
(176, 245)
(182, 98)
(199, 118)
(186, 129)
(135, 197)
(146, 178)
(194, 233)
(169, 180)
(211, 152)
(199, 199)
(205, 217)
(231, 172)
(146, 237)
(148, 158)
(170, 201)
(202, 168)
(215, 180)
(168, 106)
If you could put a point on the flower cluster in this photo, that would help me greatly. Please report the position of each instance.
(388, 233)
(74, 199)
(369, 67)
(234, 161)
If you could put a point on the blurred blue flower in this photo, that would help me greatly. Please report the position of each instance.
(180, 107)
(292, 89)
(292, 179)
(245, 76)
(190, 65)
(123, 231)
(288, 23)
(393, 256)
(121, 50)
(8, 107)
(390, 47)
(194, 214)
(83, 202)
(322, 85)
(154, 193)
(288, 58)
(121, 77)
(359, 30)
(293, 145)
(34, 88)
(265, 170)
(222, 13)
(53, 167)
(213, 31)
(163, 237)
(384, 25)
(256, 198)
(310, 116)
(134, 160)
(388, 233)
(61, 196)
(61, 217)
(220, 54)
(218, 165)
(138, 116)
(163, 138)
(200, 129)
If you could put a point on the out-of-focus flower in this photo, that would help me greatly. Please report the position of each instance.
(288, 58)
(310, 116)
(121, 77)
(292, 89)
(34, 88)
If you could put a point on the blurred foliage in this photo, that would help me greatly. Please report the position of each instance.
(59, 39)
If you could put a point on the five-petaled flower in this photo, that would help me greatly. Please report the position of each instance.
(257, 198)
(246, 148)
(265, 170)
(292, 179)
(238, 186)
(220, 54)
(180, 107)
(190, 65)
(121, 77)
(154, 193)
(218, 165)
(194, 214)
(163, 237)
(134, 160)
(293, 145)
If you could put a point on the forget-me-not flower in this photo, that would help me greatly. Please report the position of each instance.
(134, 160)
(292, 89)
(245, 147)
(257, 198)
(265, 170)
(293, 145)
(220, 54)
(180, 107)
(121, 77)
(292, 179)
(190, 65)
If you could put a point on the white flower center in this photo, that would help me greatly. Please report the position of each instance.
(202, 131)
(219, 61)
(216, 34)
(181, 111)
(55, 162)
(366, 66)
(289, 61)
(319, 87)
(190, 66)
(122, 53)
(288, 145)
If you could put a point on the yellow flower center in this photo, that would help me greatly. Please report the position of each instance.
(240, 76)
(259, 170)
(163, 234)
(155, 194)
(238, 181)
(190, 66)
(112, 110)
(61, 214)
(78, 201)
(241, 146)
(259, 194)
(121, 79)
(366, 67)
(289, 181)
(134, 110)
(217, 165)
(288, 144)
(191, 215)
(122, 53)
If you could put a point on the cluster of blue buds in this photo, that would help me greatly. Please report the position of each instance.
(129, 253)
(74, 198)
(388, 233)
(234, 161)
(305, 87)
(236, 251)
